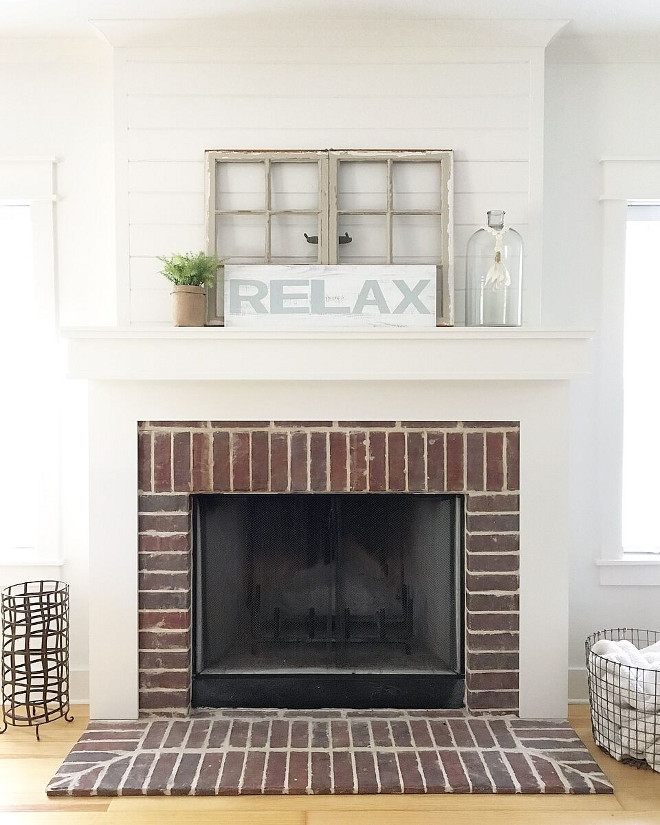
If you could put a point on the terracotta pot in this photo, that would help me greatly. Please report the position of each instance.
(189, 306)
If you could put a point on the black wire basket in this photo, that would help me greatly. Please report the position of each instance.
(35, 653)
(625, 700)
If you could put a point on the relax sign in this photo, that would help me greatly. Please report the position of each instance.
(286, 297)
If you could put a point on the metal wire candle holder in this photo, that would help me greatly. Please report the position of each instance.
(35, 654)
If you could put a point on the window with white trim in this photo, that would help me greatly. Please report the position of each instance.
(332, 207)
(641, 384)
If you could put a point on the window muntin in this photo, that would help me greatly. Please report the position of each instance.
(332, 207)
(641, 386)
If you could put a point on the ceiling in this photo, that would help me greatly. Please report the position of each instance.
(588, 17)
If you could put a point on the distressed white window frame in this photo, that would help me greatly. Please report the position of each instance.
(623, 180)
(30, 181)
(328, 211)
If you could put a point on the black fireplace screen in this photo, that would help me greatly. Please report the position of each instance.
(351, 584)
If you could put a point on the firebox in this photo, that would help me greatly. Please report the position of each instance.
(328, 600)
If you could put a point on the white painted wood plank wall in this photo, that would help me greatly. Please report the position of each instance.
(172, 104)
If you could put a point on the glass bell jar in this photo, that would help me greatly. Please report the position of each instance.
(494, 275)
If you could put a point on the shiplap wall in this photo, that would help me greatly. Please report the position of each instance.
(171, 104)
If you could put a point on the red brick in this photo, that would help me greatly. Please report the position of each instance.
(163, 700)
(368, 425)
(338, 464)
(144, 461)
(164, 522)
(396, 461)
(377, 481)
(164, 600)
(492, 700)
(182, 470)
(209, 774)
(489, 425)
(162, 462)
(239, 734)
(506, 642)
(240, 461)
(433, 774)
(221, 462)
(513, 461)
(441, 734)
(421, 733)
(259, 735)
(460, 733)
(168, 679)
(340, 734)
(475, 461)
(164, 619)
(492, 621)
(232, 769)
(155, 580)
(401, 734)
(298, 777)
(488, 680)
(321, 781)
(479, 779)
(320, 735)
(455, 482)
(279, 462)
(494, 461)
(485, 602)
(299, 735)
(492, 563)
(300, 424)
(365, 772)
(454, 771)
(180, 425)
(176, 543)
(164, 561)
(481, 732)
(388, 771)
(275, 772)
(492, 661)
(480, 583)
(165, 503)
(318, 462)
(358, 462)
(260, 461)
(164, 640)
(416, 461)
(502, 503)
(342, 772)
(493, 522)
(435, 460)
(202, 480)
(380, 731)
(551, 781)
(218, 735)
(493, 543)
(253, 774)
(299, 462)
(431, 425)
(164, 660)
(240, 425)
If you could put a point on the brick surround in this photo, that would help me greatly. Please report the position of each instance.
(476, 458)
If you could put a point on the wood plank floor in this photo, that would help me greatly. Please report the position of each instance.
(26, 765)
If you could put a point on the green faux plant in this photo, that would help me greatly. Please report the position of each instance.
(190, 269)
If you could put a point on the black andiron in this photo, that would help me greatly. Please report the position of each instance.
(35, 654)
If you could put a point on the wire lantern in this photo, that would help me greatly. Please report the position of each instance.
(35, 653)
(625, 700)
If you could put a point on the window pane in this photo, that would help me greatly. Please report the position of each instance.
(416, 185)
(287, 239)
(641, 441)
(416, 239)
(362, 185)
(241, 238)
(22, 401)
(240, 185)
(294, 185)
(369, 244)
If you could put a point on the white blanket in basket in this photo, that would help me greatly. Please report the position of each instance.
(627, 700)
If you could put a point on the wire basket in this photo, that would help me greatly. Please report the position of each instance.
(35, 653)
(625, 700)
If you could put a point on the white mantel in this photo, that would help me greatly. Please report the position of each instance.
(208, 353)
(216, 374)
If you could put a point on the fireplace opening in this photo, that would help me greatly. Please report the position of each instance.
(328, 600)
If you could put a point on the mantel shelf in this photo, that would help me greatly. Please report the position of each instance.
(207, 353)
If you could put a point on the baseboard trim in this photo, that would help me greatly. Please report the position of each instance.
(79, 686)
(578, 693)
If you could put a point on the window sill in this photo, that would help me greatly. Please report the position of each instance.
(11, 558)
(635, 572)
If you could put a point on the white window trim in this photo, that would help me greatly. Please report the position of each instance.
(31, 181)
(623, 180)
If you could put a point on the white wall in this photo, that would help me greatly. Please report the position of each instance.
(594, 111)
(358, 89)
(56, 101)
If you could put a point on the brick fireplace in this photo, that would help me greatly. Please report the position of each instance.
(477, 459)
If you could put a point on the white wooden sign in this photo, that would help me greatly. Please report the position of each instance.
(305, 297)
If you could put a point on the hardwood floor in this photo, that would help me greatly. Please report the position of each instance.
(26, 765)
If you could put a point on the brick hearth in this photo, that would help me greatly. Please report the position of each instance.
(477, 459)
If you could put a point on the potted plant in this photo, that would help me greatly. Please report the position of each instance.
(190, 274)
